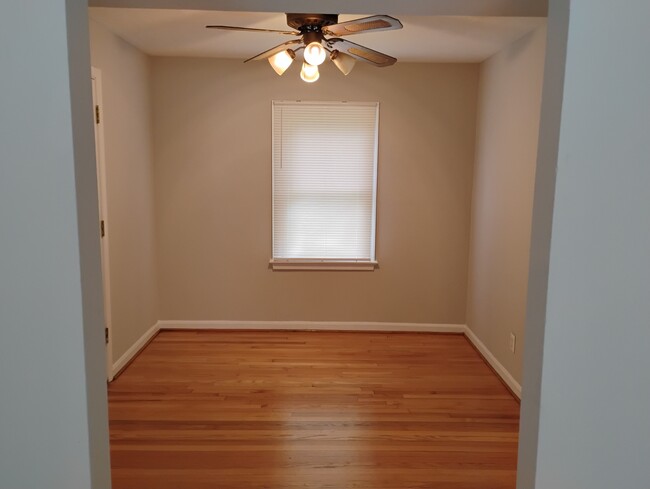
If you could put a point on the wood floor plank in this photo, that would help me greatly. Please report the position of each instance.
(284, 410)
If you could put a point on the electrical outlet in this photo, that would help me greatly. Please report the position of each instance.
(513, 342)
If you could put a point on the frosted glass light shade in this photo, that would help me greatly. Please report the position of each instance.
(344, 62)
(309, 73)
(315, 53)
(281, 61)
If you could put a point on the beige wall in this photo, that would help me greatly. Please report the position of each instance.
(126, 78)
(506, 150)
(212, 121)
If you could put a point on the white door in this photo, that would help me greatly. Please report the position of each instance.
(96, 77)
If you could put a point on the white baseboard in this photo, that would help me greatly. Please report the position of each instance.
(315, 326)
(510, 381)
(134, 350)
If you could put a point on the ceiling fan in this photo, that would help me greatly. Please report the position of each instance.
(312, 29)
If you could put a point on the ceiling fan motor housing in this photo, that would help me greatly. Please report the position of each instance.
(306, 23)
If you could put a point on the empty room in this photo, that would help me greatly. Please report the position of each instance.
(315, 262)
(296, 248)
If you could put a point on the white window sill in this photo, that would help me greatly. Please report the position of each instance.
(323, 265)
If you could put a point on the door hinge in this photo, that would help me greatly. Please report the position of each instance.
(102, 229)
(96, 114)
(106, 335)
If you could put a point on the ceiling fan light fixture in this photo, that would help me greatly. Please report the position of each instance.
(309, 73)
(281, 61)
(310, 30)
(315, 53)
(343, 62)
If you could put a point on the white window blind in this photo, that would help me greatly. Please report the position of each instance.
(324, 181)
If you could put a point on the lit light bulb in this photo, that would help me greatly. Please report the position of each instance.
(344, 62)
(282, 60)
(309, 73)
(315, 53)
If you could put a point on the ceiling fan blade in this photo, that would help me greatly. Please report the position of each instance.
(275, 50)
(250, 29)
(361, 53)
(373, 23)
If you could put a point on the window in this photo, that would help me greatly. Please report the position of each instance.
(324, 185)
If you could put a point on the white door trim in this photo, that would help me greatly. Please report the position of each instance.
(96, 76)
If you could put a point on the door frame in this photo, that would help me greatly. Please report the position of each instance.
(98, 117)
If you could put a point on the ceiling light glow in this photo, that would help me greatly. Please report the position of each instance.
(281, 61)
(315, 53)
(309, 73)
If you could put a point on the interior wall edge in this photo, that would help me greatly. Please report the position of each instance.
(542, 223)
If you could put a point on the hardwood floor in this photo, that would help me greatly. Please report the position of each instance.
(286, 410)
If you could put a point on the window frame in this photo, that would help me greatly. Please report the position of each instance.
(330, 264)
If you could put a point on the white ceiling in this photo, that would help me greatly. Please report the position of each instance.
(167, 32)
(493, 8)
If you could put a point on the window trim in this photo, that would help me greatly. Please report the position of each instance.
(336, 264)
(324, 264)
